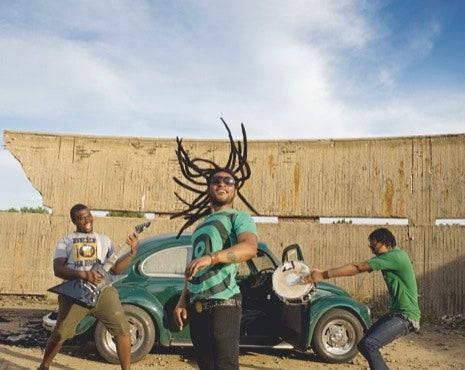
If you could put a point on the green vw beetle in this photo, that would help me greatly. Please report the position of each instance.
(330, 322)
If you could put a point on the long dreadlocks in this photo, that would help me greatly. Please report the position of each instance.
(198, 172)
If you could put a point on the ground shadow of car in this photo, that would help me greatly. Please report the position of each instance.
(330, 322)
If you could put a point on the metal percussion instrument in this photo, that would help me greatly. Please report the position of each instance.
(287, 283)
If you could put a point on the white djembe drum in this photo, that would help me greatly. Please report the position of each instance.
(287, 283)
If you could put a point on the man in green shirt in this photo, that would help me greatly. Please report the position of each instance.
(211, 296)
(404, 313)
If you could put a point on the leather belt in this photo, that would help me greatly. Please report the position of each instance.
(203, 305)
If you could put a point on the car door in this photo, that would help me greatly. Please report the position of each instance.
(164, 270)
(295, 317)
(261, 309)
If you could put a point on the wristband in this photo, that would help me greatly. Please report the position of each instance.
(325, 274)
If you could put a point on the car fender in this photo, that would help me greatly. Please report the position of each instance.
(140, 297)
(322, 305)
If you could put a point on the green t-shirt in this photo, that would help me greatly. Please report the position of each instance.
(399, 276)
(218, 231)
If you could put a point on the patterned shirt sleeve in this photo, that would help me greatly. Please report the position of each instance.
(244, 223)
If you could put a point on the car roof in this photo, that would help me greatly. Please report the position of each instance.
(161, 238)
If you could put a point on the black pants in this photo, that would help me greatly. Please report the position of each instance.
(215, 335)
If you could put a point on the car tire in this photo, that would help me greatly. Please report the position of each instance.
(336, 336)
(142, 332)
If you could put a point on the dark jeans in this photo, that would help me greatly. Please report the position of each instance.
(215, 335)
(385, 330)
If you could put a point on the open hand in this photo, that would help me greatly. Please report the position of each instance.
(133, 242)
(196, 265)
(314, 276)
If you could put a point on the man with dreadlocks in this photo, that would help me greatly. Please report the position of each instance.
(211, 297)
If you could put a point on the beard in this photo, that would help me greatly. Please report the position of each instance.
(222, 201)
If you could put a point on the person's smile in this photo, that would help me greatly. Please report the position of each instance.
(84, 221)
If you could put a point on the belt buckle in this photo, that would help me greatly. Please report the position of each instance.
(198, 306)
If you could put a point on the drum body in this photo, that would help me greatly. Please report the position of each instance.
(287, 283)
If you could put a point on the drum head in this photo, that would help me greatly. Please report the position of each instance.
(287, 285)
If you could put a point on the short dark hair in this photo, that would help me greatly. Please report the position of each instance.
(75, 209)
(383, 236)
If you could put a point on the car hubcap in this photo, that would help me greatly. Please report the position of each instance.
(136, 332)
(338, 337)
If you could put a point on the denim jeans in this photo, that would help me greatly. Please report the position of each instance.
(215, 335)
(382, 332)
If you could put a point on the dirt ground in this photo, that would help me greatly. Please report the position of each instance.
(437, 346)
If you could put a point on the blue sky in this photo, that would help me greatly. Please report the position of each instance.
(287, 69)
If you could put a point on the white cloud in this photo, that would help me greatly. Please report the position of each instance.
(421, 39)
(50, 77)
(183, 65)
(417, 44)
(299, 69)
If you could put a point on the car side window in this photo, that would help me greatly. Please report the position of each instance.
(170, 262)
(263, 262)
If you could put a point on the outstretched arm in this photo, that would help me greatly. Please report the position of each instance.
(346, 270)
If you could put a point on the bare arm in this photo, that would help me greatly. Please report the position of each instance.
(123, 262)
(346, 270)
(245, 249)
(180, 311)
(182, 301)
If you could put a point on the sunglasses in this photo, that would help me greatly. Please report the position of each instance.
(227, 180)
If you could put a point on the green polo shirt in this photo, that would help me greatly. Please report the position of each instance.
(399, 276)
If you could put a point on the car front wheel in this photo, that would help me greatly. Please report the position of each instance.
(336, 336)
(142, 332)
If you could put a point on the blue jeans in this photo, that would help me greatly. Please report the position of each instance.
(389, 327)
